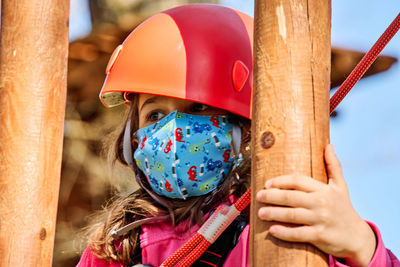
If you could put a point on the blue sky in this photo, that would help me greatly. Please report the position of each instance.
(367, 134)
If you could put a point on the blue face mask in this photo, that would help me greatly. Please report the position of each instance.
(185, 155)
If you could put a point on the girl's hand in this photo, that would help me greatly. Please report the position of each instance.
(322, 213)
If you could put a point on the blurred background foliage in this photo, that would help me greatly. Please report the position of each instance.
(87, 181)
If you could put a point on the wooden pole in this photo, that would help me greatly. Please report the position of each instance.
(33, 70)
(290, 125)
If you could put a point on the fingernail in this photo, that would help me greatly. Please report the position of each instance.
(259, 196)
(263, 213)
(273, 230)
(268, 184)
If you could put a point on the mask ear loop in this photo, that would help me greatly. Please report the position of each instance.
(127, 145)
(236, 142)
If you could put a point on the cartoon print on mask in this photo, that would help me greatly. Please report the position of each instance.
(143, 142)
(146, 162)
(139, 163)
(167, 186)
(167, 127)
(195, 153)
(206, 186)
(180, 115)
(160, 147)
(154, 181)
(159, 167)
(154, 143)
(192, 173)
(201, 169)
(212, 165)
(154, 127)
(187, 131)
(226, 155)
(196, 147)
(200, 128)
(174, 173)
(216, 140)
(168, 146)
(178, 135)
(215, 121)
(228, 135)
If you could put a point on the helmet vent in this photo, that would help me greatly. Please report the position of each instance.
(240, 74)
(113, 58)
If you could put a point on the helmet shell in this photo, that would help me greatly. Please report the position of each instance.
(198, 52)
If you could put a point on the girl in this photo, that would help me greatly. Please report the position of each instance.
(186, 75)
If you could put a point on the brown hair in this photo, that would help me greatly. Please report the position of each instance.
(145, 203)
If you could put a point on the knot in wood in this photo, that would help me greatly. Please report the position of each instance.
(42, 234)
(267, 140)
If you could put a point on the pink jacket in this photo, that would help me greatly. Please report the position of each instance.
(159, 240)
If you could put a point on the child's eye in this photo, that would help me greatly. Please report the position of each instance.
(197, 107)
(155, 116)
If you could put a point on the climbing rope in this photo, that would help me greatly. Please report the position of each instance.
(222, 217)
(364, 64)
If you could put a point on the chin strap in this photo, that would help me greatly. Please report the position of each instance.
(125, 229)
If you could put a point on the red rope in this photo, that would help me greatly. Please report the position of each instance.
(364, 64)
(195, 254)
(183, 251)
(243, 201)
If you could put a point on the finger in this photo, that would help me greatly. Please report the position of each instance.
(293, 233)
(296, 182)
(287, 215)
(334, 170)
(281, 197)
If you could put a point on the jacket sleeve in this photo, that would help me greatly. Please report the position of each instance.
(88, 259)
(382, 256)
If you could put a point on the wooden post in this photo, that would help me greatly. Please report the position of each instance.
(33, 70)
(290, 125)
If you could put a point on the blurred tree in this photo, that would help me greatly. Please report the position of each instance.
(128, 13)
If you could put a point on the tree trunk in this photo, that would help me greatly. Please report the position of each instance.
(290, 125)
(33, 70)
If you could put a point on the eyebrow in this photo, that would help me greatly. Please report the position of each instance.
(149, 101)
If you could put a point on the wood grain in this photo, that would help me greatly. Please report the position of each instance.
(33, 70)
(291, 107)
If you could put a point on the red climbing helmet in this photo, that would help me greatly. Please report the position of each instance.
(198, 52)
